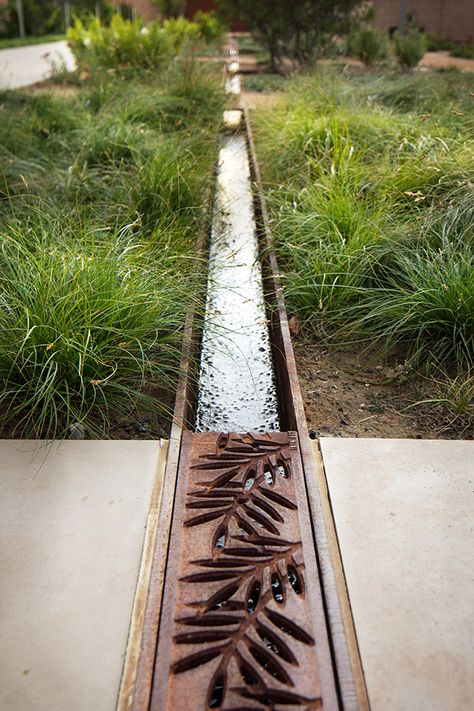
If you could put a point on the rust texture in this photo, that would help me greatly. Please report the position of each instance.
(242, 621)
(292, 415)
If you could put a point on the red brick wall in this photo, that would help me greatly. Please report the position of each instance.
(144, 8)
(449, 19)
(193, 6)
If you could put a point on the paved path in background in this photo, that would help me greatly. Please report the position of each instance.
(27, 65)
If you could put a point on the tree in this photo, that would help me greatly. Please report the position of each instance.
(170, 8)
(29, 17)
(296, 29)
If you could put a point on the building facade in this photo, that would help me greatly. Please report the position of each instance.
(143, 8)
(447, 19)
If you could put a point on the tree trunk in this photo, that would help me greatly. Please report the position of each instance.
(67, 14)
(403, 17)
(21, 17)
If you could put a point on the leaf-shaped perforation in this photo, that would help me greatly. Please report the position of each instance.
(211, 576)
(223, 563)
(283, 469)
(216, 691)
(295, 579)
(218, 464)
(247, 552)
(220, 494)
(245, 525)
(223, 440)
(271, 697)
(260, 518)
(221, 596)
(202, 636)
(249, 480)
(268, 508)
(269, 662)
(253, 595)
(275, 643)
(266, 541)
(278, 590)
(219, 539)
(191, 661)
(268, 477)
(211, 619)
(278, 498)
(205, 518)
(221, 480)
(289, 627)
(211, 504)
(249, 673)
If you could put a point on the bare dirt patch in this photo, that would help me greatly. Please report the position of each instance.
(354, 394)
(63, 90)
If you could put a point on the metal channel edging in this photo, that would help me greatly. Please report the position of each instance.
(348, 664)
(293, 411)
(182, 419)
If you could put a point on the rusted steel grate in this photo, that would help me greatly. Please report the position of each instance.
(242, 624)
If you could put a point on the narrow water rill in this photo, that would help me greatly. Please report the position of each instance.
(241, 617)
(236, 391)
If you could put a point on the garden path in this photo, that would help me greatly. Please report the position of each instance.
(23, 66)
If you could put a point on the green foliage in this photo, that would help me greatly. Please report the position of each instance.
(101, 199)
(82, 325)
(41, 18)
(297, 30)
(456, 49)
(83, 9)
(368, 45)
(464, 51)
(127, 44)
(409, 48)
(371, 199)
(211, 28)
(170, 8)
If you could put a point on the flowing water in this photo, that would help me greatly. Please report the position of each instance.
(236, 390)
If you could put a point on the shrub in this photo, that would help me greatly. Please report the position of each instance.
(368, 45)
(170, 8)
(464, 51)
(83, 325)
(210, 27)
(125, 43)
(40, 18)
(409, 48)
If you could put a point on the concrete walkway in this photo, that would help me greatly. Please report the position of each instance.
(404, 512)
(73, 517)
(23, 66)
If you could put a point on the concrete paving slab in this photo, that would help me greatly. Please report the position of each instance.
(404, 514)
(22, 66)
(72, 527)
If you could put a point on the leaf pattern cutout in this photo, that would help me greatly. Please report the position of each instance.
(243, 494)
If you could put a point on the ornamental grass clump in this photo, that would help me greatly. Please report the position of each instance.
(84, 325)
(409, 48)
(368, 45)
(102, 198)
(371, 199)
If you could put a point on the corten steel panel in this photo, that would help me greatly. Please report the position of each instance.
(242, 623)
(347, 661)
